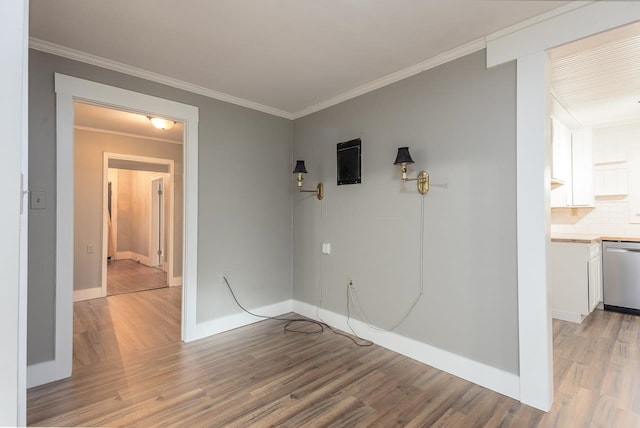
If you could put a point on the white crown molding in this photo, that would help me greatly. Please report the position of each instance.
(538, 19)
(76, 55)
(125, 134)
(432, 62)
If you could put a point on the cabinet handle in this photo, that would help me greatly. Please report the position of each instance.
(624, 250)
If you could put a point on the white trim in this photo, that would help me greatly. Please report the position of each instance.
(87, 294)
(175, 281)
(22, 373)
(533, 180)
(108, 64)
(430, 63)
(240, 319)
(570, 24)
(435, 61)
(528, 45)
(567, 316)
(531, 22)
(125, 134)
(67, 90)
(486, 376)
(41, 373)
(123, 255)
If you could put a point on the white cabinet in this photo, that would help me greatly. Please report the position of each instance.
(560, 163)
(611, 181)
(582, 167)
(594, 266)
(572, 163)
(576, 279)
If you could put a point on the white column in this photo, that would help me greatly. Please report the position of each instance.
(533, 187)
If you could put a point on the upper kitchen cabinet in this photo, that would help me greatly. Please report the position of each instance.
(607, 149)
(572, 164)
(582, 167)
(610, 153)
(560, 163)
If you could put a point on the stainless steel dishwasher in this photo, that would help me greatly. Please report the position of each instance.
(621, 276)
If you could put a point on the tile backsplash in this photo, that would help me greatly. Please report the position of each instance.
(609, 217)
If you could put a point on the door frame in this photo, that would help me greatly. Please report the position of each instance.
(105, 195)
(527, 43)
(157, 233)
(69, 89)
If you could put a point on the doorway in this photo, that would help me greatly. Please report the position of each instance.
(67, 90)
(139, 226)
(139, 232)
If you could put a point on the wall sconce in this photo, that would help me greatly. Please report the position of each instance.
(301, 169)
(403, 158)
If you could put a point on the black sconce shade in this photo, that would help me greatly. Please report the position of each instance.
(300, 168)
(403, 156)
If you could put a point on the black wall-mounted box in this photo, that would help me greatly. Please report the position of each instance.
(349, 162)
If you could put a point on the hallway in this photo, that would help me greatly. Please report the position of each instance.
(127, 276)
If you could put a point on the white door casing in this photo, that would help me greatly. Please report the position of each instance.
(68, 89)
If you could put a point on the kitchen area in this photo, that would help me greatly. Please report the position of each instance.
(594, 260)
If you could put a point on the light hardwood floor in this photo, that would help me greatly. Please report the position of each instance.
(135, 373)
(128, 276)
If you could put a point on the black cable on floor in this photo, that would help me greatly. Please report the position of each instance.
(290, 321)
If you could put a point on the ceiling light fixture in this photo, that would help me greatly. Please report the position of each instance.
(161, 123)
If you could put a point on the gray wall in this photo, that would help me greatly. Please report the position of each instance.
(90, 147)
(244, 198)
(459, 122)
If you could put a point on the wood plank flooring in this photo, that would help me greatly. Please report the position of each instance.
(259, 376)
(128, 276)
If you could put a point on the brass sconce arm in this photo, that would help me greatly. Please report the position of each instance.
(301, 169)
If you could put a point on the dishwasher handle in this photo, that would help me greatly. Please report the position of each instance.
(623, 250)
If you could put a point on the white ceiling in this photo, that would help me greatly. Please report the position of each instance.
(92, 117)
(598, 79)
(288, 55)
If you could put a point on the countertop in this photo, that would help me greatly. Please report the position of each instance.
(590, 238)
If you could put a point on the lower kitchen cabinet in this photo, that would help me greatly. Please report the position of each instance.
(576, 279)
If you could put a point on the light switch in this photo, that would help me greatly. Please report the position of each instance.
(326, 248)
(38, 200)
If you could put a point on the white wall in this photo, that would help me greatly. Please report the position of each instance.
(12, 83)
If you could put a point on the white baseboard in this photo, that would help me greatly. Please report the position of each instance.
(130, 255)
(87, 294)
(122, 255)
(41, 373)
(175, 281)
(489, 377)
(230, 322)
(567, 316)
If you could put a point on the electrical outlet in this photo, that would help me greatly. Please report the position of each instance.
(89, 249)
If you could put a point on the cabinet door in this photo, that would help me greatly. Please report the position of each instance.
(582, 167)
(595, 282)
(561, 151)
(569, 273)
